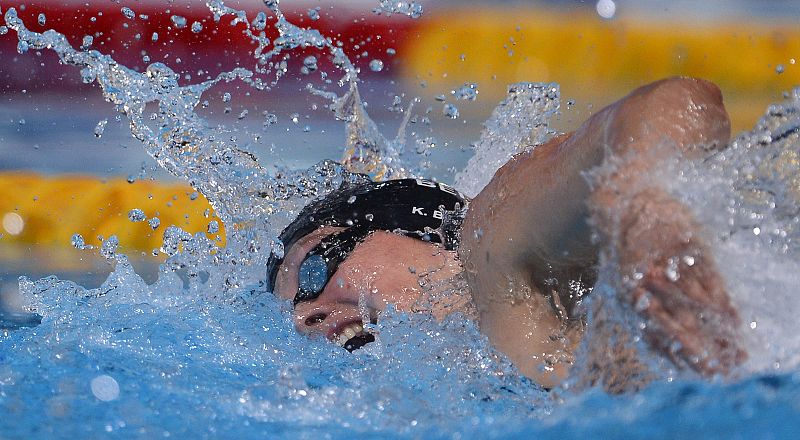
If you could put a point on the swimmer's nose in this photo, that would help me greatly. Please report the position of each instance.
(310, 317)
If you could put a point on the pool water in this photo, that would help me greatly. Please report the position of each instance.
(204, 351)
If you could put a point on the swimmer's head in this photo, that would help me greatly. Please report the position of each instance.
(364, 246)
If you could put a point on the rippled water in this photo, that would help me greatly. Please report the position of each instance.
(206, 352)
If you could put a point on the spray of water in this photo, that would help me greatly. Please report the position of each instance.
(223, 355)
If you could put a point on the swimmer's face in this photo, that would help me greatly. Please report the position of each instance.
(384, 269)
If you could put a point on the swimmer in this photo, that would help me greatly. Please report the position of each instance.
(536, 231)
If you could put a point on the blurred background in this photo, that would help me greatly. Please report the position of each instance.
(68, 164)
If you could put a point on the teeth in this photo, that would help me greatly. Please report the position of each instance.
(348, 333)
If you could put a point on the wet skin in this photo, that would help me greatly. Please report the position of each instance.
(532, 223)
(383, 269)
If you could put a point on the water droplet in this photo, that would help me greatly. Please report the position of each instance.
(100, 128)
(450, 111)
(213, 227)
(155, 36)
(310, 63)
(109, 248)
(270, 119)
(756, 231)
(313, 14)
(376, 65)
(136, 215)
(42, 19)
(273, 5)
(352, 199)
(154, 223)
(411, 9)
(467, 92)
(390, 51)
(606, 8)
(105, 388)
(753, 325)
(87, 42)
(642, 303)
(671, 271)
(780, 68)
(226, 97)
(260, 22)
(77, 241)
(197, 27)
(178, 21)
(3, 30)
(128, 13)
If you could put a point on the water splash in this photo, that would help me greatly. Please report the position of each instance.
(411, 9)
(521, 121)
(202, 352)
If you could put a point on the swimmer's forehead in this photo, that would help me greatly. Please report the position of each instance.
(286, 281)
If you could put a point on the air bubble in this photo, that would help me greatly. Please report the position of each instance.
(42, 19)
(197, 27)
(313, 14)
(226, 97)
(780, 68)
(154, 223)
(128, 13)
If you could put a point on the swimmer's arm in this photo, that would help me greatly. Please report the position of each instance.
(531, 222)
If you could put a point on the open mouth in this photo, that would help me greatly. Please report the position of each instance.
(353, 336)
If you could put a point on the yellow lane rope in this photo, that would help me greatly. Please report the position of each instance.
(596, 60)
(47, 211)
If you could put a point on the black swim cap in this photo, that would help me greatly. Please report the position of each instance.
(416, 208)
